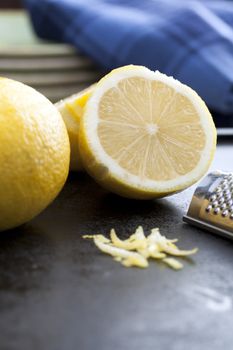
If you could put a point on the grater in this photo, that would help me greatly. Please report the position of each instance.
(211, 207)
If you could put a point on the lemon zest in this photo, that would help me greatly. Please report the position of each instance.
(173, 263)
(137, 249)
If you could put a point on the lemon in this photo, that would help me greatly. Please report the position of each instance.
(145, 135)
(71, 110)
(34, 153)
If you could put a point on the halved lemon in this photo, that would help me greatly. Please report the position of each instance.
(144, 134)
(71, 109)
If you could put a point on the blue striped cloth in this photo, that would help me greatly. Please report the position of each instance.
(191, 40)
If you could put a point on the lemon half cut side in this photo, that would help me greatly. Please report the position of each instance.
(145, 135)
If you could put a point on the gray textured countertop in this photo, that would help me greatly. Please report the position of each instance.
(58, 292)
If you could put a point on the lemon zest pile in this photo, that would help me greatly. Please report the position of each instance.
(137, 249)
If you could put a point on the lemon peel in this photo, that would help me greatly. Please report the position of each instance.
(101, 238)
(173, 263)
(137, 249)
(136, 243)
(167, 245)
(88, 236)
(34, 153)
(125, 257)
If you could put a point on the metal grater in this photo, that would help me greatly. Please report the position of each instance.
(211, 207)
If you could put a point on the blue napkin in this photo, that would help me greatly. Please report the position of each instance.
(190, 40)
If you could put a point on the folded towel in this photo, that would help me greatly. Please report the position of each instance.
(190, 40)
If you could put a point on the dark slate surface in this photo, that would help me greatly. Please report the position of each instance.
(58, 292)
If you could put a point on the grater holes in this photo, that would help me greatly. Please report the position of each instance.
(215, 204)
(223, 206)
(221, 199)
(213, 198)
(216, 210)
(225, 213)
(208, 208)
(227, 196)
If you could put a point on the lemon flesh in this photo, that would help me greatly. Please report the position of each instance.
(34, 153)
(146, 135)
(71, 110)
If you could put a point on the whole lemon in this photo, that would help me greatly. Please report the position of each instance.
(34, 153)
